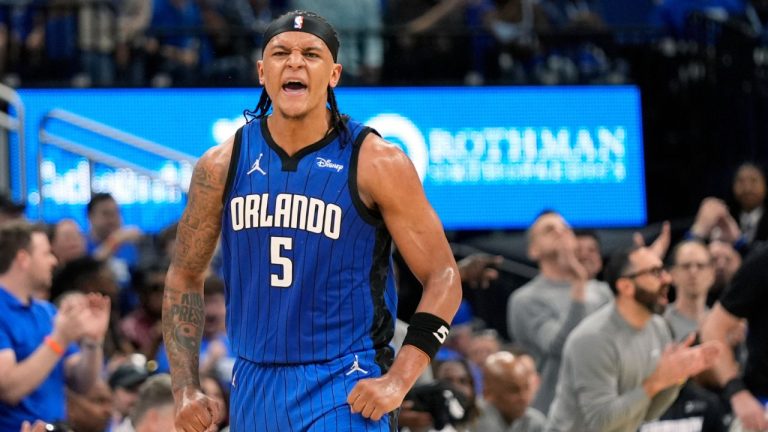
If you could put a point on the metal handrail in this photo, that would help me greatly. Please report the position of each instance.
(116, 135)
(109, 132)
(12, 98)
(102, 158)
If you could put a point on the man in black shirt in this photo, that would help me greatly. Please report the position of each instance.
(746, 298)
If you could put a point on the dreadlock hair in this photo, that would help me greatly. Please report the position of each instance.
(338, 120)
(262, 108)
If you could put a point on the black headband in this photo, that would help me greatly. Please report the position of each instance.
(304, 22)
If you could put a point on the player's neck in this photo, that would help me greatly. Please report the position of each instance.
(293, 134)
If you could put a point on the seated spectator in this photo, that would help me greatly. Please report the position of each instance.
(483, 344)
(543, 312)
(447, 404)
(125, 382)
(110, 241)
(39, 350)
(88, 275)
(67, 241)
(142, 327)
(748, 207)
(154, 411)
(507, 395)
(91, 411)
(692, 276)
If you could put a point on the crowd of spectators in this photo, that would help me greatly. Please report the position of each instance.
(199, 42)
(668, 335)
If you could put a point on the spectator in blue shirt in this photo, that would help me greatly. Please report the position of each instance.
(109, 240)
(38, 350)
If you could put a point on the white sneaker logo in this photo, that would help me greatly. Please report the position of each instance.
(327, 163)
(256, 167)
(356, 368)
(441, 334)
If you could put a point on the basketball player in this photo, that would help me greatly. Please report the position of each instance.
(307, 203)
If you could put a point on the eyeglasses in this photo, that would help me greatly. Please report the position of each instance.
(694, 265)
(653, 271)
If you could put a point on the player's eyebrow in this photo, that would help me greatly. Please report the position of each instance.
(309, 48)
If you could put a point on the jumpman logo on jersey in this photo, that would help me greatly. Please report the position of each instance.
(256, 167)
(356, 368)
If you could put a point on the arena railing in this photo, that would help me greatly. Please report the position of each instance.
(15, 124)
(94, 156)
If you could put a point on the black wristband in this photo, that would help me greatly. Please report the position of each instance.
(733, 386)
(427, 332)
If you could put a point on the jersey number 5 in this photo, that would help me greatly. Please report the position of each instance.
(277, 245)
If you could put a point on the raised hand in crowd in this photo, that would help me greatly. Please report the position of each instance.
(660, 246)
(478, 270)
(96, 316)
(82, 316)
(574, 269)
(123, 235)
(714, 222)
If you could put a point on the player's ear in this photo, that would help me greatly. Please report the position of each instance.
(260, 70)
(335, 75)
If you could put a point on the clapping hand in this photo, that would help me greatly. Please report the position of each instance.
(95, 317)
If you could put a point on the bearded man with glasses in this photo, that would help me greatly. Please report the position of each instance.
(620, 367)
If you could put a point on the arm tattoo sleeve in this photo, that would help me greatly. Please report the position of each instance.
(183, 330)
(198, 232)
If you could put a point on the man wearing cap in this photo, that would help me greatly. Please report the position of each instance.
(307, 203)
(125, 382)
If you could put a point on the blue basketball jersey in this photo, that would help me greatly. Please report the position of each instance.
(307, 266)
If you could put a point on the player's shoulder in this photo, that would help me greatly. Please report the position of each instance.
(212, 169)
(377, 152)
(218, 156)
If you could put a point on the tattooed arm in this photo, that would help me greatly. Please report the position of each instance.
(183, 316)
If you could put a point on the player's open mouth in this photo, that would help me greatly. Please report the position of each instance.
(294, 87)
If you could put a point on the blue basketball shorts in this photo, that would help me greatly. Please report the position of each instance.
(302, 398)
